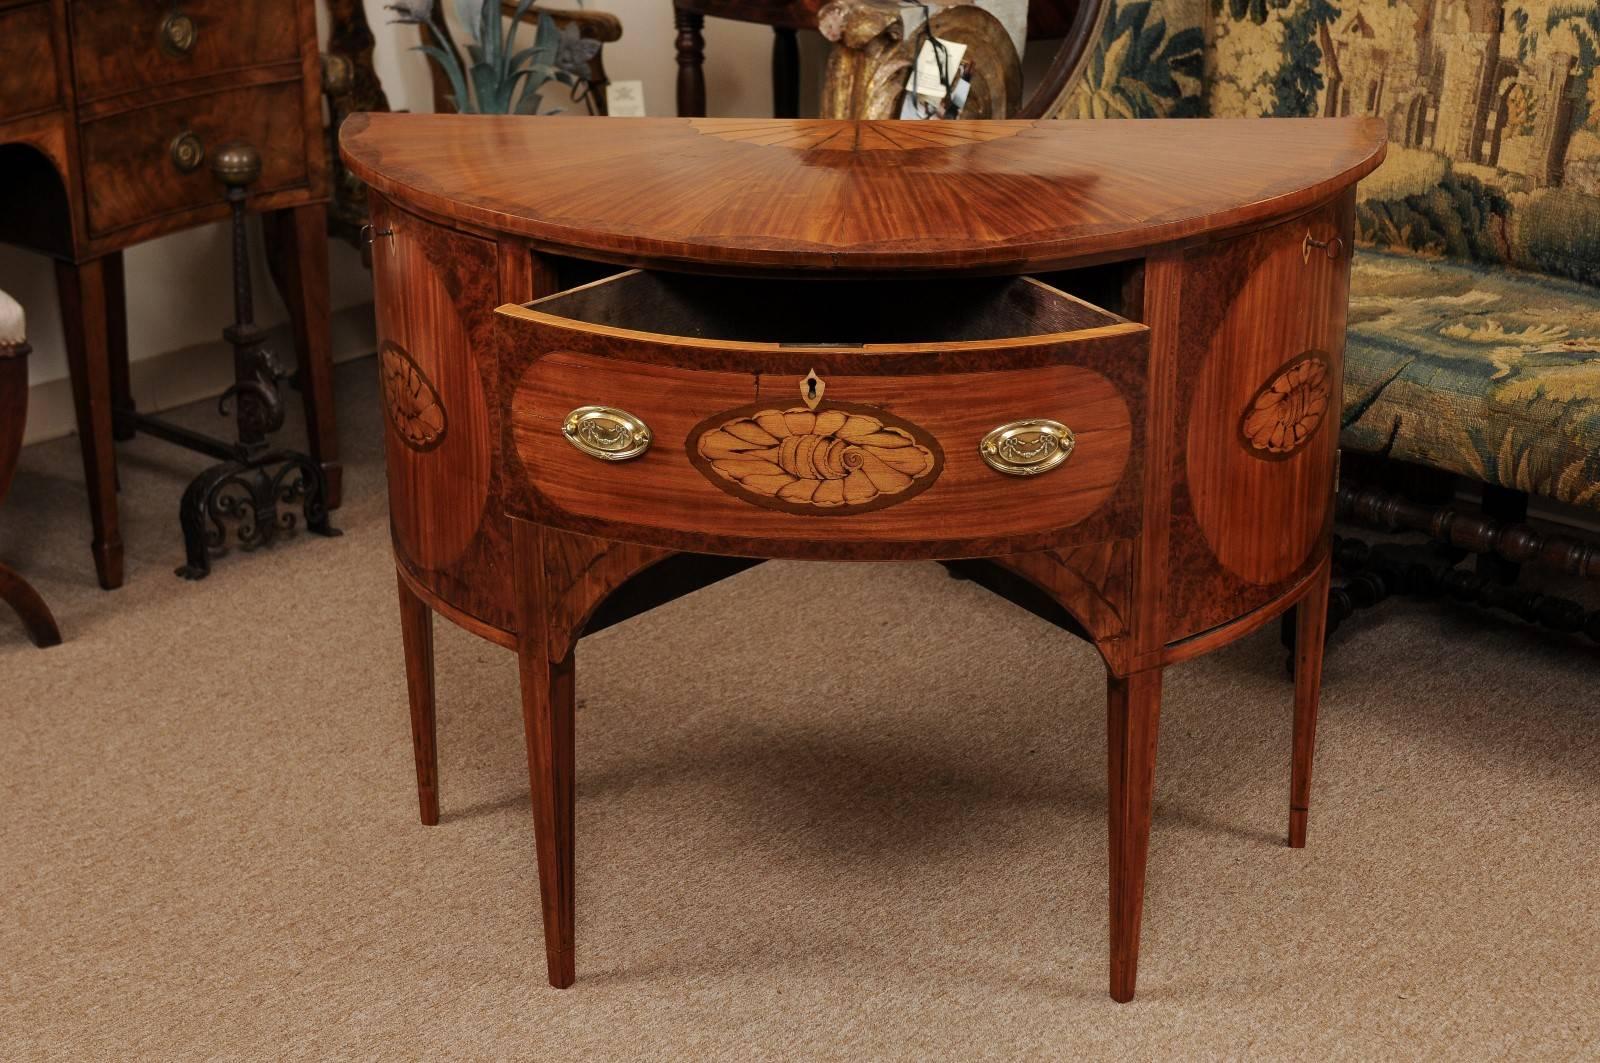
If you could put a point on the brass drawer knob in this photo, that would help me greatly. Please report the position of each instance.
(606, 432)
(1027, 448)
(178, 34)
(187, 152)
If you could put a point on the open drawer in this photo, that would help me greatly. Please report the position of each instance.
(895, 419)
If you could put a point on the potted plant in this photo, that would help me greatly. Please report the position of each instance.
(492, 77)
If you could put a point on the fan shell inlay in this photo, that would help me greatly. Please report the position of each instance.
(1285, 414)
(412, 401)
(828, 134)
(839, 459)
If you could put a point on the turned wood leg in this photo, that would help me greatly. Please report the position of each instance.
(416, 631)
(1311, 622)
(785, 73)
(691, 45)
(1132, 718)
(117, 345)
(83, 293)
(297, 241)
(37, 620)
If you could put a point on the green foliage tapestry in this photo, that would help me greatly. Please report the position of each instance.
(1493, 110)
(1147, 63)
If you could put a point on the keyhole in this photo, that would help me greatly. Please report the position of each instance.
(811, 388)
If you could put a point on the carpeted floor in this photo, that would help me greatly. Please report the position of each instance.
(868, 825)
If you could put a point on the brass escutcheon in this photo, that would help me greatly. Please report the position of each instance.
(187, 152)
(178, 33)
(606, 432)
(1027, 448)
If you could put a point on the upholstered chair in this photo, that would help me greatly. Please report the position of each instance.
(14, 590)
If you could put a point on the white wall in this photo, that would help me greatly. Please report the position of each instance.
(178, 286)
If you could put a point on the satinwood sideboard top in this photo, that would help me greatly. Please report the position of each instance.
(1000, 196)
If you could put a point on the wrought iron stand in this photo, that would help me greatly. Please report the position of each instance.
(252, 479)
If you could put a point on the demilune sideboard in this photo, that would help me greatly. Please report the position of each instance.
(1093, 366)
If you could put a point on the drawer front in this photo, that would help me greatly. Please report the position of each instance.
(27, 61)
(886, 466)
(132, 172)
(121, 45)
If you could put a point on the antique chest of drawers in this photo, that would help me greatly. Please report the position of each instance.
(109, 110)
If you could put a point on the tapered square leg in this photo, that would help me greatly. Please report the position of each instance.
(416, 631)
(297, 241)
(117, 346)
(547, 718)
(1132, 718)
(1310, 636)
(82, 288)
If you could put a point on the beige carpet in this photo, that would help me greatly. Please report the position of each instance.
(868, 825)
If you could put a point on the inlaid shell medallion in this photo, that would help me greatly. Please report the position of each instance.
(1288, 410)
(411, 399)
(841, 458)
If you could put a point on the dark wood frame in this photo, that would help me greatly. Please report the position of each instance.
(15, 591)
(45, 200)
(1074, 22)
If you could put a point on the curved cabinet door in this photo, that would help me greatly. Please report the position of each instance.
(435, 293)
(1261, 361)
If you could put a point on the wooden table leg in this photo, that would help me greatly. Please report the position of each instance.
(297, 240)
(1310, 637)
(1132, 718)
(547, 711)
(691, 63)
(37, 620)
(82, 288)
(416, 631)
(117, 344)
(14, 590)
(785, 73)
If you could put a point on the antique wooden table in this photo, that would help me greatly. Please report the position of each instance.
(1094, 366)
(109, 110)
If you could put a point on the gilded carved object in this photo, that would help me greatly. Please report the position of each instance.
(841, 458)
(871, 59)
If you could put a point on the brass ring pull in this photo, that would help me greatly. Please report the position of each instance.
(606, 432)
(187, 152)
(1333, 248)
(1027, 448)
(178, 34)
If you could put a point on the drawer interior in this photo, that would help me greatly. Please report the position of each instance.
(831, 313)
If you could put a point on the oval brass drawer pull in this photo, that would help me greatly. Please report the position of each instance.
(1027, 448)
(606, 432)
(178, 34)
(187, 152)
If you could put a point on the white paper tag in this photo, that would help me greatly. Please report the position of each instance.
(926, 79)
(625, 99)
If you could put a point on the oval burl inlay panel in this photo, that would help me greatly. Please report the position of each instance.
(411, 399)
(841, 458)
(1288, 410)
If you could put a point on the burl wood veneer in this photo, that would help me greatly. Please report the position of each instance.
(1095, 365)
